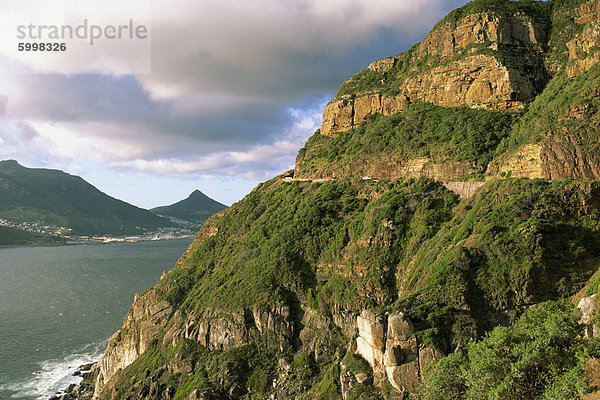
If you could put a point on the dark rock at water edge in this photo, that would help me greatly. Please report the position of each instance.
(85, 389)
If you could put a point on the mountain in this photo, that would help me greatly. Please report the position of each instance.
(53, 197)
(439, 240)
(196, 208)
(497, 88)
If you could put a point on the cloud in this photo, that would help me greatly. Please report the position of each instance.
(259, 162)
(26, 131)
(235, 89)
(270, 47)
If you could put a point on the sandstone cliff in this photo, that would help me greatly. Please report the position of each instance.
(488, 59)
(459, 62)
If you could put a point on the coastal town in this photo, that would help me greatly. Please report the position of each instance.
(61, 232)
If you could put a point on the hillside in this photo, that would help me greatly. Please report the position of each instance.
(396, 287)
(55, 198)
(196, 208)
(16, 237)
(496, 88)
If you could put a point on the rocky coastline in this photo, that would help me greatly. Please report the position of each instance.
(85, 389)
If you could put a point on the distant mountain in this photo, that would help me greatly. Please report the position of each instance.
(196, 208)
(53, 197)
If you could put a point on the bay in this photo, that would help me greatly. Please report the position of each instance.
(59, 305)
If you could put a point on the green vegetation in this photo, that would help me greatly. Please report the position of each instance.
(515, 243)
(270, 245)
(549, 113)
(53, 197)
(540, 357)
(423, 130)
(196, 208)
(539, 10)
(15, 237)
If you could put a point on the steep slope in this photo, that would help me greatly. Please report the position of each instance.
(53, 197)
(274, 277)
(196, 208)
(487, 54)
(534, 58)
(395, 287)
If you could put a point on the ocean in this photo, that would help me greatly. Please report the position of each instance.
(59, 305)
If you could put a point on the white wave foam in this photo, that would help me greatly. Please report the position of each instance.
(56, 375)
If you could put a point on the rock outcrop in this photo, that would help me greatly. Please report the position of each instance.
(343, 114)
(142, 324)
(487, 80)
(584, 49)
(218, 330)
(587, 307)
(390, 347)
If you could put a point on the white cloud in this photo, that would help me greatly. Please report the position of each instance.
(258, 162)
(236, 86)
(200, 45)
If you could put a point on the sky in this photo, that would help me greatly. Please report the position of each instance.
(219, 95)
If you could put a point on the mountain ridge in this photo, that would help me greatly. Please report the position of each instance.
(516, 53)
(55, 198)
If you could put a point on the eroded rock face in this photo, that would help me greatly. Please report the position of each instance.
(338, 117)
(566, 156)
(142, 323)
(219, 330)
(342, 115)
(370, 343)
(319, 335)
(481, 28)
(587, 306)
(561, 156)
(476, 80)
(584, 51)
(401, 354)
(391, 349)
(524, 163)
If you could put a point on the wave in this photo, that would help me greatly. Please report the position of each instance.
(54, 376)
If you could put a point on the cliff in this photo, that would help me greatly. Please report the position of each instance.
(395, 287)
(517, 63)
(352, 287)
(490, 59)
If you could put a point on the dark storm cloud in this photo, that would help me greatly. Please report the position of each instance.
(228, 80)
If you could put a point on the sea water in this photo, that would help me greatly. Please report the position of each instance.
(59, 305)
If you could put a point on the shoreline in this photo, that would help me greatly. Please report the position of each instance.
(84, 390)
(93, 242)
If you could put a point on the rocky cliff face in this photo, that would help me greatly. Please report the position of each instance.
(393, 352)
(449, 71)
(493, 60)
(142, 324)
